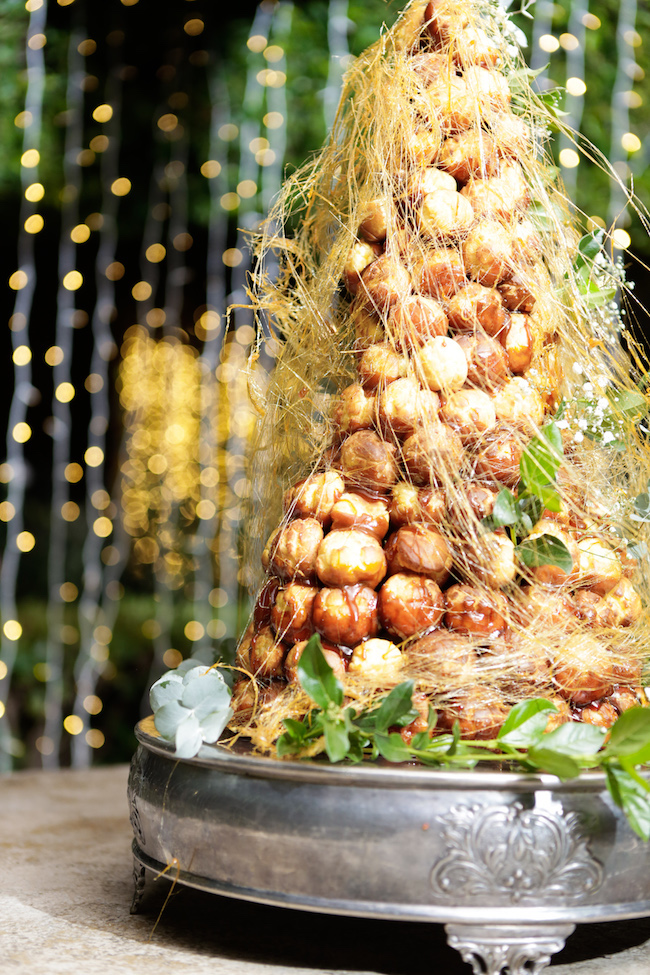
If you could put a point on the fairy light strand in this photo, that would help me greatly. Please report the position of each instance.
(542, 26)
(173, 307)
(62, 419)
(574, 101)
(212, 400)
(93, 608)
(23, 382)
(276, 101)
(337, 38)
(619, 114)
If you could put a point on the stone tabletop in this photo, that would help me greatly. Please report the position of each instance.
(66, 888)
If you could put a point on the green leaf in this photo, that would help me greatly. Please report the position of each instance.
(589, 247)
(631, 797)
(526, 723)
(642, 507)
(395, 706)
(355, 750)
(287, 745)
(638, 550)
(317, 677)
(530, 510)
(392, 748)
(295, 730)
(505, 510)
(628, 402)
(595, 291)
(549, 497)
(337, 741)
(545, 550)
(578, 740)
(548, 760)
(438, 745)
(630, 735)
(541, 459)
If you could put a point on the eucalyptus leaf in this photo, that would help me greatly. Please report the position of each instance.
(317, 677)
(213, 723)
(188, 737)
(168, 718)
(168, 688)
(208, 690)
(190, 664)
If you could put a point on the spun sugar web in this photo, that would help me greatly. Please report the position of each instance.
(436, 183)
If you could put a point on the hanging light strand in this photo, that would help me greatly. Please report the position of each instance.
(337, 38)
(23, 281)
(542, 27)
(276, 101)
(575, 73)
(96, 614)
(212, 400)
(619, 113)
(62, 418)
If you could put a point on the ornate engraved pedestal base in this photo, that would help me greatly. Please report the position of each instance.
(518, 948)
(509, 862)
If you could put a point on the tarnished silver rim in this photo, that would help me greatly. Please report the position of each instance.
(370, 775)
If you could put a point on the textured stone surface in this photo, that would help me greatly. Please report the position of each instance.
(67, 885)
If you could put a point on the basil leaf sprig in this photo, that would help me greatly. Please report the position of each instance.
(344, 733)
(191, 705)
(537, 490)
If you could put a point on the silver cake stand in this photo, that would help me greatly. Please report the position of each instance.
(508, 862)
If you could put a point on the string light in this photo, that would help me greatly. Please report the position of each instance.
(590, 21)
(34, 224)
(569, 42)
(12, 630)
(121, 186)
(228, 132)
(273, 120)
(34, 192)
(569, 158)
(103, 113)
(621, 239)
(210, 169)
(630, 142)
(548, 43)
(256, 43)
(576, 86)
